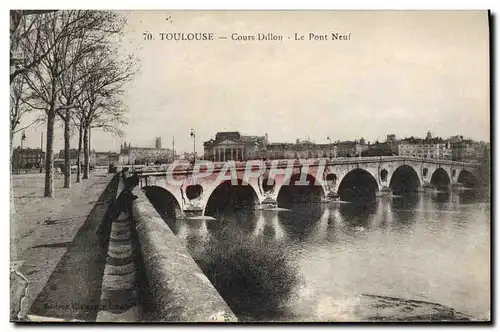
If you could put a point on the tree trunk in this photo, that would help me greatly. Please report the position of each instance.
(86, 153)
(49, 162)
(90, 141)
(78, 158)
(90, 146)
(11, 151)
(67, 157)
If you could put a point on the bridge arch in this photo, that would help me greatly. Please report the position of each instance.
(194, 191)
(468, 179)
(294, 191)
(441, 179)
(404, 179)
(163, 201)
(331, 179)
(383, 175)
(358, 184)
(267, 183)
(228, 197)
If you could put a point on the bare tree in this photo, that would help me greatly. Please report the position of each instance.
(19, 100)
(44, 79)
(43, 82)
(24, 28)
(65, 39)
(102, 107)
(72, 82)
(22, 23)
(94, 38)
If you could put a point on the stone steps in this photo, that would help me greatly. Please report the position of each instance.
(119, 297)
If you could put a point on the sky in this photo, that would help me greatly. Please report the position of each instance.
(401, 72)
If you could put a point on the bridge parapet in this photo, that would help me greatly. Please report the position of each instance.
(329, 174)
(187, 168)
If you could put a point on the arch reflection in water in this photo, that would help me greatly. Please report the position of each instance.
(358, 214)
(441, 197)
(301, 220)
(383, 214)
(404, 209)
(473, 195)
(321, 230)
(242, 220)
(267, 225)
(336, 216)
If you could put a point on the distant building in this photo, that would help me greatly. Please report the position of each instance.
(106, 158)
(468, 150)
(73, 156)
(425, 150)
(387, 148)
(300, 150)
(232, 145)
(140, 155)
(351, 148)
(381, 149)
(27, 158)
(391, 138)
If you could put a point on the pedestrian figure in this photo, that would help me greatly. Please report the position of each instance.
(126, 197)
(122, 204)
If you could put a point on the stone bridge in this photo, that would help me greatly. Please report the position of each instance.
(205, 187)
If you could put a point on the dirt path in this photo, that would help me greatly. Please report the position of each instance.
(54, 237)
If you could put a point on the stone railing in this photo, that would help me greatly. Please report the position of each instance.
(179, 290)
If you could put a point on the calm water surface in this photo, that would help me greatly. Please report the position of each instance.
(427, 246)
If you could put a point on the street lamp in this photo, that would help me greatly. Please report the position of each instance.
(330, 144)
(23, 138)
(193, 135)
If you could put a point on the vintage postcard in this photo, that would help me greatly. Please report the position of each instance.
(250, 166)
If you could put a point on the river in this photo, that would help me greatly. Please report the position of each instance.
(428, 247)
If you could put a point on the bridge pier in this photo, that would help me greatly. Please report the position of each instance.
(267, 202)
(187, 213)
(194, 207)
(429, 187)
(179, 213)
(384, 192)
(456, 184)
(332, 196)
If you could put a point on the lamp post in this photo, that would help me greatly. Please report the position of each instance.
(21, 153)
(23, 138)
(173, 148)
(193, 135)
(330, 145)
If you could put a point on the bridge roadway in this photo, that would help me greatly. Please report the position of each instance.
(191, 186)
